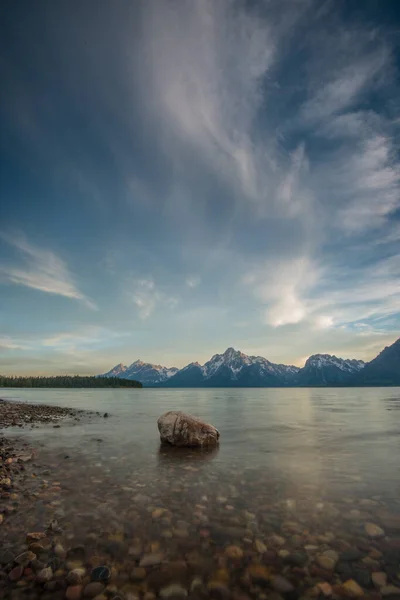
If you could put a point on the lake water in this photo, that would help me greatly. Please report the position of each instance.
(324, 461)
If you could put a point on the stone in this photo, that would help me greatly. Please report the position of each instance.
(325, 589)
(234, 552)
(219, 590)
(260, 546)
(150, 560)
(16, 573)
(281, 584)
(297, 559)
(259, 573)
(73, 592)
(174, 590)
(390, 590)
(373, 531)
(93, 589)
(35, 537)
(181, 429)
(351, 554)
(326, 562)
(379, 579)
(101, 573)
(352, 589)
(138, 573)
(25, 558)
(75, 576)
(45, 575)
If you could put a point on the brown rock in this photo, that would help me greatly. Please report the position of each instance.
(93, 589)
(180, 429)
(138, 573)
(74, 592)
(352, 589)
(234, 552)
(379, 579)
(16, 573)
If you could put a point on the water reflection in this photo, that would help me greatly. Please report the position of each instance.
(172, 456)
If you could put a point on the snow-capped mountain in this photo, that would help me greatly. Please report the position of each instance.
(233, 368)
(146, 373)
(325, 369)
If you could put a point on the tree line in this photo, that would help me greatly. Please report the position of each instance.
(67, 381)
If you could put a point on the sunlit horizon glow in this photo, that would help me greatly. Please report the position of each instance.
(189, 176)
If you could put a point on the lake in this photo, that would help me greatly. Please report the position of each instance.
(295, 468)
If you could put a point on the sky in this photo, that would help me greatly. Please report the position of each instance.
(182, 176)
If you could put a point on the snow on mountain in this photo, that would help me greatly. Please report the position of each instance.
(117, 371)
(344, 364)
(146, 373)
(234, 368)
(326, 369)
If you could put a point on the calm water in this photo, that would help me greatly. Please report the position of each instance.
(327, 436)
(296, 469)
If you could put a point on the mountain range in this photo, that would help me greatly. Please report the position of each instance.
(235, 369)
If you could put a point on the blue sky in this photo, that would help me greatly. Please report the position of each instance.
(179, 177)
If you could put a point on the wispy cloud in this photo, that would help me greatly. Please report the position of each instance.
(147, 296)
(41, 270)
(327, 296)
(192, 281)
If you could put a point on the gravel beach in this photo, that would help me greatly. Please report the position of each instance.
(74, 528)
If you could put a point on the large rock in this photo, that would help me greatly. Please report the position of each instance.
(180, 429)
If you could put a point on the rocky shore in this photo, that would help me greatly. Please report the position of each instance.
(75, 527)
(21, 414)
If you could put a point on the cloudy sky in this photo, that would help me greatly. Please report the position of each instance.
(185, 175)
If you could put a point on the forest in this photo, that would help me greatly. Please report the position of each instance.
(67, 381)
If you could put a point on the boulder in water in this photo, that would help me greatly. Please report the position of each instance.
(180, 429)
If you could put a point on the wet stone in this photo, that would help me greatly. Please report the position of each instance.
(352, 589)
(379, 579)
(150, 560)
(16, 573)
(93, 589)
(74, 592)
(351, 554)
(374, 531)
(44, 575)
(173, 591)
(101, 573)
(297, 559)
(281, 584)
(390, 590)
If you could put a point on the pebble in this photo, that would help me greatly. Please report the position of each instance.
(150, 560)
(260, 546)
(281, 584)
(138, 573)
(259, 573)
(326, 562)
(45, 575)
(325, 589)
(374, 531)
(16, 573)
(74, 592)
(379, 579)
(101, 573)
(174, 590)
(25, 558)
(390, 590)
(75, 576)
(234, 552)
(93, 589)
(352, 589)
